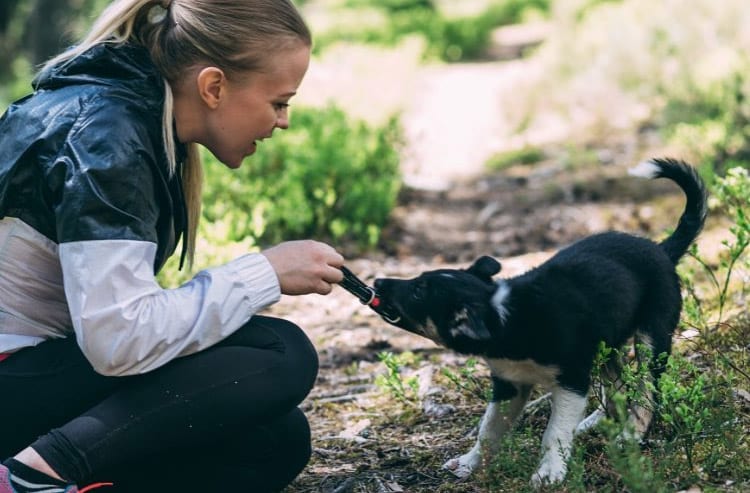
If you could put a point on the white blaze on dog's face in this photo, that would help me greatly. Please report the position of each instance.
(449, 306)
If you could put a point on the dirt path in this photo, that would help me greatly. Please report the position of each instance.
(454, 115)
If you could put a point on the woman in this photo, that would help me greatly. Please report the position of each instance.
(105, 376)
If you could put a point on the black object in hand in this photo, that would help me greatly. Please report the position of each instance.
(368, 296)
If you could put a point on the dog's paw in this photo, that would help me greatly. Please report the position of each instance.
(463, 466)
(549, 472)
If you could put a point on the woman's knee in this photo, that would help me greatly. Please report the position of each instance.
(303, 349)
(300, 356)
(291, 358)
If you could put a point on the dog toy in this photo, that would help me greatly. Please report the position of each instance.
(367, 296)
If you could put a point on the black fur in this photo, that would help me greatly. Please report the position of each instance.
(607, 287)
(602, 288)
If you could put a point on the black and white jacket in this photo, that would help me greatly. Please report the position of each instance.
(89, 214)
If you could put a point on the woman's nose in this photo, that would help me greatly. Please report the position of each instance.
(282, 119)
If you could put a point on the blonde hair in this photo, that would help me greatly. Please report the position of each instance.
(234, 35)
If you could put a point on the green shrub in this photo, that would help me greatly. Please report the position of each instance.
(714, 122)
(707, 308)
(327, 177)
(393, 382)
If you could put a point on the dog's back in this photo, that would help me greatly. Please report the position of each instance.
(609, 286)
(600, 289)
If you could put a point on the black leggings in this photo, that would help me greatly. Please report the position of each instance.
(224, 419)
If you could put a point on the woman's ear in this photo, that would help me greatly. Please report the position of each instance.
(211, 86)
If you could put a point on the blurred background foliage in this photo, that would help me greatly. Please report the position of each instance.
(683, 69)
(448, 38)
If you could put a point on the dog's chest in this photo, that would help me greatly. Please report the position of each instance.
(523, 371)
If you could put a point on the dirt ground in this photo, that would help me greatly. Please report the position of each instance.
(450, 212)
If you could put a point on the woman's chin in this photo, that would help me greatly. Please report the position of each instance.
(235, 162)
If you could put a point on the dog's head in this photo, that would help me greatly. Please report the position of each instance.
(452, 307)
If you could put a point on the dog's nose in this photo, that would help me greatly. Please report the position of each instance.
(378, 283)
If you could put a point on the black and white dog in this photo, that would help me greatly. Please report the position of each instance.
(545, 326)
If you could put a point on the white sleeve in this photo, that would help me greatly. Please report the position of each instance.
(127, 324)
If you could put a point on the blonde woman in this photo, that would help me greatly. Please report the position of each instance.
(106, 377)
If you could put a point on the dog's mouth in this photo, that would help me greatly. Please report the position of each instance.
(392, 312)
(369, 296)
(387, 311)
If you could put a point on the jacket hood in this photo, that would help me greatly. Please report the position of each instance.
(126, 66)
(116, 93)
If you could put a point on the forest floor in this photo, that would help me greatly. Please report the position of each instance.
(452, 210)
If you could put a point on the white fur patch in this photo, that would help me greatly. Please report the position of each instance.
(492, 424)
(567, 411)
(524, 371)
(491, 429)
(495, 423)
(500, 298)
(645, 169)
(460, 325)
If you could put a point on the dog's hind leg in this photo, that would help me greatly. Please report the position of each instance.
(495, 423)
(611, 376)
(606, 385)
(649, 349)
(567, 410)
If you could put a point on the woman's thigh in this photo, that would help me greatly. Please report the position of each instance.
(43, 387)
(260, 373)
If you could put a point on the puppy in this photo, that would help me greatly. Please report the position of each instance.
(545, 326)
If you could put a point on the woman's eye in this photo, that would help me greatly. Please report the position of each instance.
(280, 106)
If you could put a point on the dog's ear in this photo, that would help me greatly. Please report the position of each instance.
(471, 325)
(484, 268)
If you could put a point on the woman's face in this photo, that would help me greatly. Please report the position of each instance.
(244, 111)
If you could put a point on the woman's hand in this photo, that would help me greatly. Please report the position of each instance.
(305, 266)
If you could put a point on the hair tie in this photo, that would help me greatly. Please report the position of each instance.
(156, 14)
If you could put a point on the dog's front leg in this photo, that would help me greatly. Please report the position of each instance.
(493, 426)
(567, 411)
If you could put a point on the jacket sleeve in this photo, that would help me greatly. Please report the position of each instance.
(107, 217)
(126, 323)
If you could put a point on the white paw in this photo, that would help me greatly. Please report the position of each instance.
(549, 472)
(463, 466)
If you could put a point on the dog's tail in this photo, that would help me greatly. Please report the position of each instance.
(694, 215)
